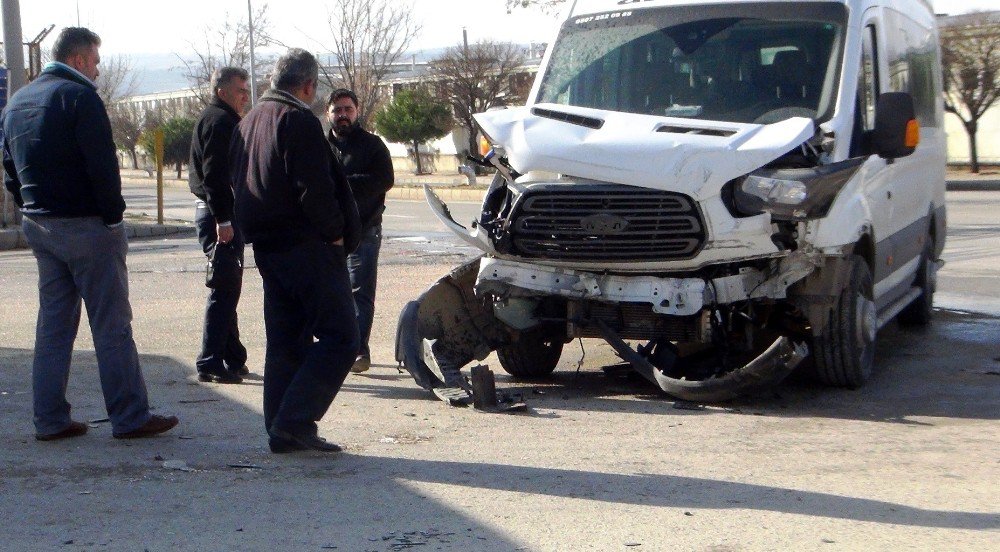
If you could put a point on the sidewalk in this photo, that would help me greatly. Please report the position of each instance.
(135, 228)
(961, 180)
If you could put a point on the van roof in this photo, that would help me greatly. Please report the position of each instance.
(586, 7)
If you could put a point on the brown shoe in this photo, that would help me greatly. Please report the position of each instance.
(155, 426)
(74, 429)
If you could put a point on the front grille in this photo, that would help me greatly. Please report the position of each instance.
(605, 223)
(633, 321)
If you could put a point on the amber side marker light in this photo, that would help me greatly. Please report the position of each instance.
(912, 133)
(484, 146)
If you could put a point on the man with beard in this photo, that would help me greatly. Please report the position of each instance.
(294, 205)
(369, 171)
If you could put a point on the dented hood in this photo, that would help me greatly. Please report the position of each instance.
(686, 155)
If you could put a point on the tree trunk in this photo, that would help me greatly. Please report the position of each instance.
(416, 154)
(473, 142)
(135, 158)
(972, 128)
(178, 170)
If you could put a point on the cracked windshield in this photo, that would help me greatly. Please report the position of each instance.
(737, 62)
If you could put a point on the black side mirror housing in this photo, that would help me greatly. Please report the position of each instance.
(896, 131)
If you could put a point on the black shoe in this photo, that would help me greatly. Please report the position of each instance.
(241, 371)
(308, 442)
(283, 446)
(218, 375)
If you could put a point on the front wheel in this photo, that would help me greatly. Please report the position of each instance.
(531, 355)
(843, 355)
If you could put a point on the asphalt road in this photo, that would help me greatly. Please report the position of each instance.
(596, 463)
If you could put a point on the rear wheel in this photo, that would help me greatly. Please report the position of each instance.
(844, 354)
(920, 311)
(531, 355)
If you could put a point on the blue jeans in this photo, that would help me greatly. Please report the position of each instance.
(363, 266)
(312, 335)
(81, 259)
(220, 343)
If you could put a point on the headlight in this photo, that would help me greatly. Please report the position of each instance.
(792, 194)
(775, 190)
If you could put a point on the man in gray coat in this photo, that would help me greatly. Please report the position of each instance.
(62, 170)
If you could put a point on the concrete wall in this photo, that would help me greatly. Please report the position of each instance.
(988, 138)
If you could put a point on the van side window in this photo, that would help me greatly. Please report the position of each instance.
(868, 91)
(869, 85)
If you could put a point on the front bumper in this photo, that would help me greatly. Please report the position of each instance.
(666, 295)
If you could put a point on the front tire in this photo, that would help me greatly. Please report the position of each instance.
(844, 353)
(532, 355)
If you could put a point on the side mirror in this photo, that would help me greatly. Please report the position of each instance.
(897, 131)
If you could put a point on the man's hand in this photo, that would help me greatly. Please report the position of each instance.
(225, 232)
(339, 242)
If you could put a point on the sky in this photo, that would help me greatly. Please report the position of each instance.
(127, 26)
(154, 34)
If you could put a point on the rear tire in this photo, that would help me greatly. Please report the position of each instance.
(921, 310)
(844, 354)
(532, 355)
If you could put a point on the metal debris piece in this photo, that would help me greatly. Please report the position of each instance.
(246, 466)
(196, 401)
(98, 421)
(177, 465)
(454, 396)
(687, 405)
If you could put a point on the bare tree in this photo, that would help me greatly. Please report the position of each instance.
(116, 83)
(225, 45)
(970, 54)
(368, 38)
(478, 77)
(546, 5)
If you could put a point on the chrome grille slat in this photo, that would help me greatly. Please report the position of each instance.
(549, 222)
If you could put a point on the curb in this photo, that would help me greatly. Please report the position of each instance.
(973, 185)
(13, 238)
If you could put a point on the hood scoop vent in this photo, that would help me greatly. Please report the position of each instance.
(580, 120)
(723, 133)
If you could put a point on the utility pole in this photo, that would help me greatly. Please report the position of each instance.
(14, 54)
(253, 60)
(13, 48)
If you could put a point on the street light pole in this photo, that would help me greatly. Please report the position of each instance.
(253, 60)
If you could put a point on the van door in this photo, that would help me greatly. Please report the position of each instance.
(881, 187)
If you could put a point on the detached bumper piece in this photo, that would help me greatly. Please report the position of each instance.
(767, 370)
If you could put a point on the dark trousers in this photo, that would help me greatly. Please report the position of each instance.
(312, 333)
(80, 258)
(220, 341)
(363, 266)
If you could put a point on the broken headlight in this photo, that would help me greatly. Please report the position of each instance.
(792, 194)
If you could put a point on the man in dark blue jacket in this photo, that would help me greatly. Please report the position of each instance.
(223, 357)
(293, 203)
(62, 170)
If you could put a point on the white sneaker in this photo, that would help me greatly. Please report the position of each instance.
(361, 364)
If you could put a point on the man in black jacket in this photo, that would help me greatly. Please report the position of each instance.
(223, 357)
(62, 170)
(294, 205)
(369, 171)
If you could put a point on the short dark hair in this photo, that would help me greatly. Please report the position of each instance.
(341, 93)
(294, 69)
(73, 39)
(225, 75)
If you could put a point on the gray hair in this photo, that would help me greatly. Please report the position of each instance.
(223, 76)
(294, 69)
